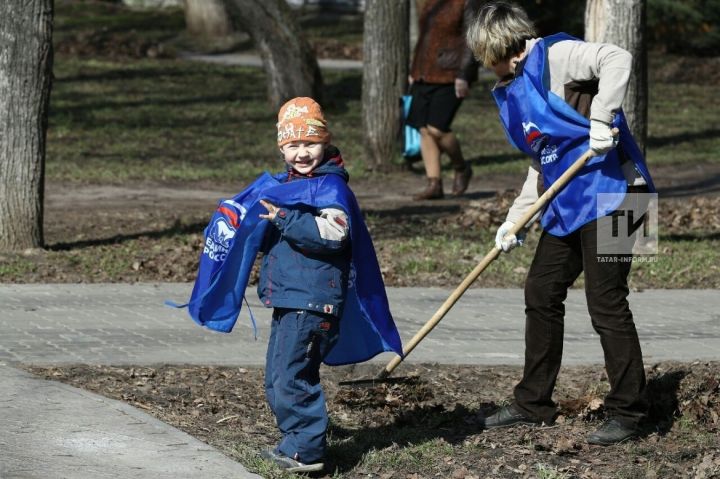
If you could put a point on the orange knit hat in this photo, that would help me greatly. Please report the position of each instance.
(301, 119)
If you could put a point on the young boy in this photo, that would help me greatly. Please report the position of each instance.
(558, 97)
(310, 251)
(304, 277)
(319, 273)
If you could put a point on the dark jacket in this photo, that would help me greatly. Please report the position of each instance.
(441, 53)
(300, 269)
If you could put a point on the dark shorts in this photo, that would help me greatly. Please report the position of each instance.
(433, 104)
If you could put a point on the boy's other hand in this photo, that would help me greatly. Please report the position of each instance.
(272, 210)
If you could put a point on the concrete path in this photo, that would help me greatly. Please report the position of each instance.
(48, 429)
(249, 60)
(51, 430)
(252, 60)
(128, 324)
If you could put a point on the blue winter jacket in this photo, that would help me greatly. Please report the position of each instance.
(300, 269)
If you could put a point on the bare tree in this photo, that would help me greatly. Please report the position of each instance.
(289, 60)
(622, 22)
(25, 79)
(385, 70)
(207, 18)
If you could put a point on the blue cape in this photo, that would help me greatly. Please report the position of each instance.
(232, 241)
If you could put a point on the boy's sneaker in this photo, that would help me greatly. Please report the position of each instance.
(288, 463)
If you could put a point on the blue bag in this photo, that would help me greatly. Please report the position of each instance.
(410, 135)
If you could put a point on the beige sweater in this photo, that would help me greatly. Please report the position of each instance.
(571, 60)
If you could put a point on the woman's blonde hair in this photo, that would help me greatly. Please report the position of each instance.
(498, 32)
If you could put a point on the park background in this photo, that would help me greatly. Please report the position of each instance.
(128, 112)
(143, 138)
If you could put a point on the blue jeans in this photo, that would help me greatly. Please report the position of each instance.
(299, 341)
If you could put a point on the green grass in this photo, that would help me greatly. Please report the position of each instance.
(87, 15)
(15, 266)
(447, 257)
(545, 471)
(173, 120)
(250, 458)
(344, 29)
(163, 120)
(113, 121)
(409, 457)
(681, 263)
(90, 27)
(682, 126)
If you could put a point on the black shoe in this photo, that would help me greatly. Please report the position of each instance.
(288, 463)
(508, 416)
(611, 432)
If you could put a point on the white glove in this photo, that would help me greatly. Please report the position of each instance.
(602, 139)
(506, 242)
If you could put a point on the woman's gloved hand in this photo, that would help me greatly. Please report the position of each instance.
(603, 138)
(507, 242)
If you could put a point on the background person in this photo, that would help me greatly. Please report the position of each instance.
(442, 70)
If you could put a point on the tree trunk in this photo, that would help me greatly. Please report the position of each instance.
(385, 71)
(25, 79)
(289, 61)
(622, 22)
(207, 18)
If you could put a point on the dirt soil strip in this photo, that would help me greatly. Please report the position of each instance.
(429, 425)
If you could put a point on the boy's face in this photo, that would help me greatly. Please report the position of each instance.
(303, 156)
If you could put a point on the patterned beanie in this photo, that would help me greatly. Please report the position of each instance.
(302, 119)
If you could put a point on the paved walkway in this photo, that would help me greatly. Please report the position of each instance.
(128, 324)
(51, 430)
(48, 429)
(254, 60)
(251, 60)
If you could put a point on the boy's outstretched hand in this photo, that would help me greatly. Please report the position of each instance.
(272, 210)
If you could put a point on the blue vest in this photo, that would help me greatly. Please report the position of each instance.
(234, 236)
(543, 125)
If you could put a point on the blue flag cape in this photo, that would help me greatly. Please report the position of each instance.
(232, 241)
(544, 126)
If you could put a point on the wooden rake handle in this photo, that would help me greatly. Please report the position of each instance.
(553, 190)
